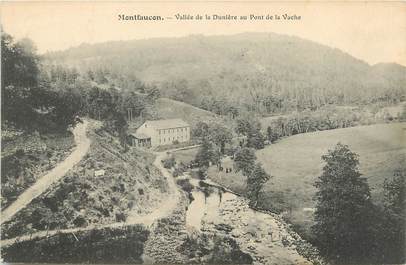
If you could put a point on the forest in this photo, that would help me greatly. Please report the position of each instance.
(41, 97)
(264, 73)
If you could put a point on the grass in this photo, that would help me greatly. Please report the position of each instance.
(185, 156)
(295, 163)
(169, 109)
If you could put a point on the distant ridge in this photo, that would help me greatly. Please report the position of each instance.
(225, 66)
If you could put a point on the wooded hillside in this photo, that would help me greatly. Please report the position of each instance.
(265, 72)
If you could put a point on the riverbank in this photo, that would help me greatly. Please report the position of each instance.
(295, 163)
(266, 237)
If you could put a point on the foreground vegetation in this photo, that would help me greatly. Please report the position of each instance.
(26, 157)
(349, 228)
(118, 245)
(129, 185)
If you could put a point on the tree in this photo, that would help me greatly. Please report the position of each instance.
(28, 102)
(117, 124)
(255, 139)
(243, 126)
(67, 104)
(19, 76)
(169, 162)
(251, 128)
(271, 134)
(255, 182)
(208, 153)
(393, 227)
(244, 161)
(201, 130)
(343, 212)
(395, 192)
(19, 62)
(402, 115)
(220, 135)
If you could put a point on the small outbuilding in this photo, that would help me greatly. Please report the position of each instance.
(140, 140)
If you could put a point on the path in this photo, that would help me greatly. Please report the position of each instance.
(43, 183)
(170, 202)
(165, 209)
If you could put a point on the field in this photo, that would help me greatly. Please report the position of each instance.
(295, 162)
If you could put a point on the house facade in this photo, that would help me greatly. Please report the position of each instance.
(161, 132)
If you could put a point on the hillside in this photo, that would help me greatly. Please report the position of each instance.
(129, 186)
(27, 156)
(165, 108)
(168, 109)
(264, 70)
(295, 163)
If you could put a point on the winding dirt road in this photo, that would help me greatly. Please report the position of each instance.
(43, 183)
(170, 203)
(165, 209)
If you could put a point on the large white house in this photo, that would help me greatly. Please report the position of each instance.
(161, 132)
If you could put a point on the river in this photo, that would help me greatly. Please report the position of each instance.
(264, 236)
(205, 203)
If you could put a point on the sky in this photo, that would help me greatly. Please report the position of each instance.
(371, 31)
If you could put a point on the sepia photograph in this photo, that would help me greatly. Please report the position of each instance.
(218, 132)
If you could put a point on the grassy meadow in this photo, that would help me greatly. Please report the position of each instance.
(295, 163)
(168, 109)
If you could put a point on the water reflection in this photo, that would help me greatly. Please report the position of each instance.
(207, 200)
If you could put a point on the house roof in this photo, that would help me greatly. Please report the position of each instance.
(140, 135)
(167, 124)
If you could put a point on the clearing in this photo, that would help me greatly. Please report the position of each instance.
(169, 108)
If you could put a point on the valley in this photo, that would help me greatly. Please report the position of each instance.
(295, 163)
(253, 148)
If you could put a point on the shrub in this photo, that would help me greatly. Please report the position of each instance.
(79, 221)
(169, 162)
(185, 185)
(121, 217)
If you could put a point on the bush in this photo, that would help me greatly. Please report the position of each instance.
(185, 185)
(121, 217)
(202, 173)
(178, 172)
(169, 162)
(107, 245)
(80, 221)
